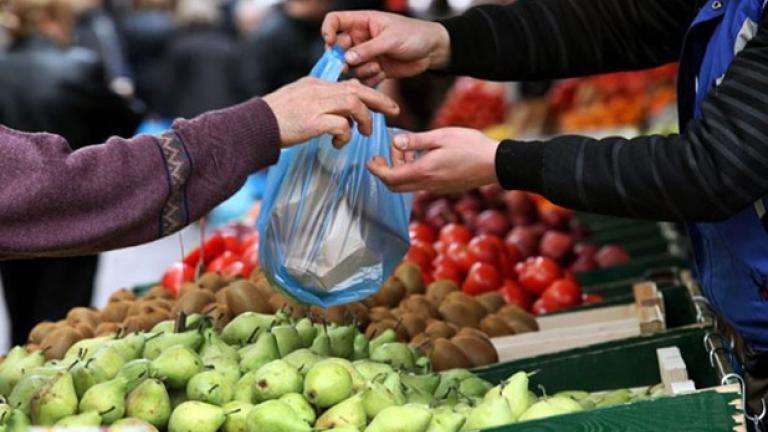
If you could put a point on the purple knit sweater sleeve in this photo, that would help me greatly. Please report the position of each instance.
(55, 201)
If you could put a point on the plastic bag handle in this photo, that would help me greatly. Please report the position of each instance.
(330, 66)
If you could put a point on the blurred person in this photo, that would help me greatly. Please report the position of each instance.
(50, 87)
(97, 31)
(203, 63)
(147, 31)
(284, 46)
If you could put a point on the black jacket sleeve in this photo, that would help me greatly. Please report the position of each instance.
(716, 168)
(544, 39)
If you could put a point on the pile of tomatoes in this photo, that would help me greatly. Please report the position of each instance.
(484, 263)
(473, 103)
(233, 251)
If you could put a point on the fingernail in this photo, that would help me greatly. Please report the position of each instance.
(352, 57)
(401, 141)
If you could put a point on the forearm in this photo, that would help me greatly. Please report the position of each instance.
(544, 39)
(126, 192)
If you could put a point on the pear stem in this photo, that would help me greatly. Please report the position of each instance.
(234, 411)
(107, 411)
(252, 335)
(213, 387)
(181, 322)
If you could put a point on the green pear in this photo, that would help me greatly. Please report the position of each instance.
(85, 348)
(5, 412)
(383, 392)
(154, 346)
(276, 379)
(321, 345)
(177, 365)
(349, 412)
(149, 402)
(615, 397)
(406, 418)
(343, 429)
(130, 347)
(396, 354)
(360, 347)
(550, 407)
(491, 412)
(210, 387)
(370, 369)
(196, 416)
(515, 390)
(342, 340)
(237, 415)
(107, 398)
(445, 420)
(132, 424)
(387, 336)
(244, 388)
(358, 382)
(55, 400)
(576, 395)
(287, 338)
(15, 365)
(244, 327)
(307, 332)
(423, 364)
(28, 385)
(102, 366)
(275, 416)
(426, 383)
(415, 396)
(301, 406)
(450, 379)
(86, 419)
(302, 359)
(226, 366)
(474, 387)
(215, 347)
(135, 372)
(327, 383)
(167, 326)
(263, 351)
(17, 422)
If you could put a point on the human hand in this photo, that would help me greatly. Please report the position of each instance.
(311, 107)
(455, 160)
(383, 45)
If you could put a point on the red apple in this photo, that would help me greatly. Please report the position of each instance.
(525, 239)
(492, 195)
(585, 250)
(439, 214)
(468, 201)
(556, 245)
(491, 222)
(583, 263)
(611, 255)
(520, 208)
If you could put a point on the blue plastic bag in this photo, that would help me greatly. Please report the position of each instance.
(331, 232)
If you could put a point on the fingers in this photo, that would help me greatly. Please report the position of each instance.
(367, 51)
(335, 125)
(402, 178)
(367, 70)
(375, 80)
(341, 22)
(373, 99)
(418, 141)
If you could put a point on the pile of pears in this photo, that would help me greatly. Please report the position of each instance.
(262, 373)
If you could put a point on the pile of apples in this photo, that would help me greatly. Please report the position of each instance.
(517, 243)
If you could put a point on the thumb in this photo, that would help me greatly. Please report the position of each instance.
(370, 49)
(418, 141)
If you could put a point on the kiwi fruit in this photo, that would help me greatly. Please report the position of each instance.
(335, 314)
(390, 293)
(219, 314)
(439, 329)
(469, 331)
(121, 295)
(31, 347)
(85, 330)
(115, 311)
(212, 281)
(418, 304)
(83, 315)
(187, 287)
(459, 313)
(221, 295)
(375, 329)
(359, 314)
(157, 291)
(371, 302)
(280, 302)
(438, 290)
(264, 287)
(137, 323)
(445, 355)
(491, 301)
(479, 351)
(140, 308)
(413, 324)
(164, 304)
(420, 340)
(519, 326)
(519, 314)
(40, 331)
(379, 313)
(469, 301)
(106, 328)
(243, 296)
(57, 342)
(410, 275)
(495, 326)
(193, 302)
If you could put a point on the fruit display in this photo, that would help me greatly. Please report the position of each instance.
(472, 103)
(267, 373)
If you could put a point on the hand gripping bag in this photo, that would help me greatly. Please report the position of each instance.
(331, 232)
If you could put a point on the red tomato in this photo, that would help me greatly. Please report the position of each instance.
(427, 278)
(232, 243)
(564, 292)
(486, 248)
(482, 277)
(176, 275)
(237, 269)
(514, 294)
(536, 274)
(213, 247)
(592, 298)
(421, 231)
(222, 261)
(440, 247)
(426, 247)
(507, 266)
(544, 306)
(251, 256)
(419, 257)
(458, 254)
(249, 240)
(455, 233)
(447, 271)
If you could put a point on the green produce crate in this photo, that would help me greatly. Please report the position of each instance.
(632, 272)
(626, 364)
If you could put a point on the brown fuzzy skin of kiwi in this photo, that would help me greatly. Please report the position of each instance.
(193, 302)
(135, 323)
(495, 326)
(106, 328)
(469, 331)
(418, 304)
(212, 281)
(410, 275)
(477, 308)
(280, 302)
(413, 324)
(359, 314)
(520, 315)
(479, 351)
(83, 315)
(390, 294)
(376, 329)
(140, 308)
(58, 342)
(371, 302)
(187, 287)
(157, 291)
(379, 313)
(459, 313)
(437, 291)
(518, 326)
(115, 311)
(219, 314)
(421, 340)
(85, 330)
(164, 304)
(336, 314)
(491, 301)
(122, 294)
(40, 331)
(445, 356)
(242, 296)
(439, 329)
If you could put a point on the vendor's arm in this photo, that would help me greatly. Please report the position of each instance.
(55, 201)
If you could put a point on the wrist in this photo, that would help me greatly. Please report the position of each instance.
(440, 53)
(519, 165)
